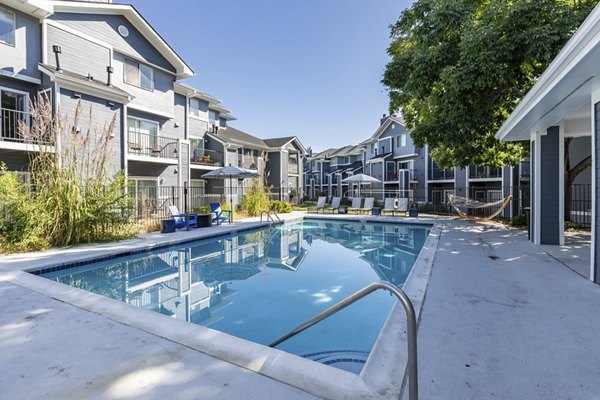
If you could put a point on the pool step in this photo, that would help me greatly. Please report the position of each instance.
(348, 360)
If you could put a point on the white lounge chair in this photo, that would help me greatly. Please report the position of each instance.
(320, 204)
(402, 205)
(335, 205)
(368, 206)
(389, 205)
(356, 203)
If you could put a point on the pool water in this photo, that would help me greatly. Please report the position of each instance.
(259, 284)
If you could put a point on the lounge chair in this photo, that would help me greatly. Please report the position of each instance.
(356, 203)
(320, 204)
(369, 203)
(389, 205)
(402, 205)
(183, 220)
(335, 205)
(220, 215)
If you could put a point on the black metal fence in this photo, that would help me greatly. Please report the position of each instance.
(580, 211)
(151, 204)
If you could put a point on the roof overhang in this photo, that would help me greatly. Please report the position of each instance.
(192, 92)
(90, 88)
(564, 88)
(36, 8)
(388, 121)
(137, 20)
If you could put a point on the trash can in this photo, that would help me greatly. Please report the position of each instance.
(413, 212)
(204, 220)
(167, 226)
(376, 211)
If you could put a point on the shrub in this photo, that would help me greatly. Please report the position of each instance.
(256, 199)
(518, 221)
(281, 207)
(73, 197)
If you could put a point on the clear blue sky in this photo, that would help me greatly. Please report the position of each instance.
(310, 68)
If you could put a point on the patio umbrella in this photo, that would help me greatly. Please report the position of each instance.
(231, 172)
(360, 179)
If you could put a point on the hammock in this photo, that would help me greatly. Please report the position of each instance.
(459, 203)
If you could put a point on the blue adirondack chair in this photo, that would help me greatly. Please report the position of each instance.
(220, 215)
(183, 220)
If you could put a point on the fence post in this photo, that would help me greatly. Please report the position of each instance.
(185, 197)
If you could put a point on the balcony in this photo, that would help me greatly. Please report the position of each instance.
(210, 158)
(10, 131)
(153, 146)
(293, 168)
(248, 161)
(440, 174)
(478, 172)
(393, 176)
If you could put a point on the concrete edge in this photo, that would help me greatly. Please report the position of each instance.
(316, 379)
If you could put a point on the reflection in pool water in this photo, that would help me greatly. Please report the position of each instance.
(259, 284)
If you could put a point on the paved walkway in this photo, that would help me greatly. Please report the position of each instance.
(504, 320)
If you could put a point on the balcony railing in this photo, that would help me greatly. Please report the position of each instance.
(477, 172)
(207, 157)
(148, 145)
(441, 174)
(392, 176)
(10, 131)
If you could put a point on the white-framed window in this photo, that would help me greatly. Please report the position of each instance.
(7, 27)
(142, 132)
(403, 140)
(213, 116)
(138, 74)
(195, 107)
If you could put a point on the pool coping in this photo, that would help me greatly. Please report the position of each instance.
(379, 378)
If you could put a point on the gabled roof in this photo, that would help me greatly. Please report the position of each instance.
(324, 154)
(213, 102)
(282, 141)
(382, 128)
(136, 19)
(237, 137)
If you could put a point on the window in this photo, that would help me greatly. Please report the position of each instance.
(7, 27)
(397, 141)
(213, 116)
(139, 74)
(403, 140)
(195, 107)
(142, 132)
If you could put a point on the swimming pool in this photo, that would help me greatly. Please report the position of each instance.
(259, 284)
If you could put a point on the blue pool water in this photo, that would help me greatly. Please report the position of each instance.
(259, 284)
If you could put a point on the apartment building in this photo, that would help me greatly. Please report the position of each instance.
(106, 58)
(406, 170)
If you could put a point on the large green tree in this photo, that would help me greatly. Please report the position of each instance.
(459, 67)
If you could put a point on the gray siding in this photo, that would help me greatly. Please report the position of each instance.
(101, 116)
(162, 98)
(460, 181)
(26, 53)
(104, 28)
(274, 172)
(549, 199)
(198, 127)
(78, 55)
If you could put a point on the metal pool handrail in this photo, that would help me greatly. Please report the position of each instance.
(411, 321)
(269, 216)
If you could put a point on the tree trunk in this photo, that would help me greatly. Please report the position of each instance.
(570, 175)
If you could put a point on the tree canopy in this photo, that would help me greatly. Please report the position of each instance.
(459, 67)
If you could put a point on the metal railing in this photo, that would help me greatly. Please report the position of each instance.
(394, 175)
(11, 122)
(581, 205)
(478, 172)
(207, 157)
(269, 216)
(441, 174)
(411, 321)
(148, 145)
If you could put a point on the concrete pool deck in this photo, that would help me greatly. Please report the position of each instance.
(501, 319)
